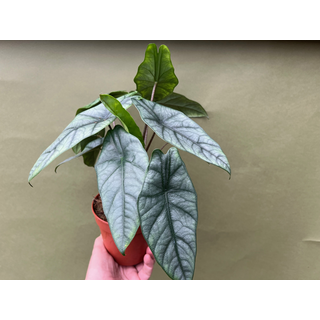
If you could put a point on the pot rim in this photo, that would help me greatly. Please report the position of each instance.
(102, 221)
(106, 222)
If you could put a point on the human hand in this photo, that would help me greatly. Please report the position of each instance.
(102, 266)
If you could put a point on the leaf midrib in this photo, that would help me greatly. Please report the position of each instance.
(167, 165)
(123, 196)
(172, 232)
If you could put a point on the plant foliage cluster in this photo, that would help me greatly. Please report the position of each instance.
(156, 194)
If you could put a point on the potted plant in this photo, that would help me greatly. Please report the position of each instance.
(150, 199)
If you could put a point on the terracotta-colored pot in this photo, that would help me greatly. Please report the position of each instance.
(134, 253)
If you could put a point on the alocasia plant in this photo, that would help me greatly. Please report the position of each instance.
(156, 194)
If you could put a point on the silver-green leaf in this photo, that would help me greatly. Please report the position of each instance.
(179, 130)
(83, 125)
(120, 170)
(88, 148)
(168, 214)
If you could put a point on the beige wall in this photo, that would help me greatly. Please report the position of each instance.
(263, 101)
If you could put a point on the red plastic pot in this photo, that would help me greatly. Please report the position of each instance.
(134, 253)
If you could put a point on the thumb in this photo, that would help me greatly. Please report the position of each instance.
(146, 270)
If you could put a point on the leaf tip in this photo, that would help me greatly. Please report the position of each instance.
(229, 173)
(101, 97)
(123, 253)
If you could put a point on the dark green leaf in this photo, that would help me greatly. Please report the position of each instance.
(181, 103)
(118, 94)
(115, 94)
(77, 148)
(156, 68)
(177, 129)
(89, 158)
(120, 171)
(115, 107)
(82, 126)
(89, 106)
(167, 208)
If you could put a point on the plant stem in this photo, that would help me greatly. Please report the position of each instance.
(150, 141)
(153, 90)
(145, 131)
(164, 146)
(110, 127)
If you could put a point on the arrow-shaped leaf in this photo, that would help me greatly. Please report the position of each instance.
(181, 103)
(88, 148)
(179, 130)
(168, 214)
(156, 68)
(115, 107)
(82, 126)
(120, 171)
